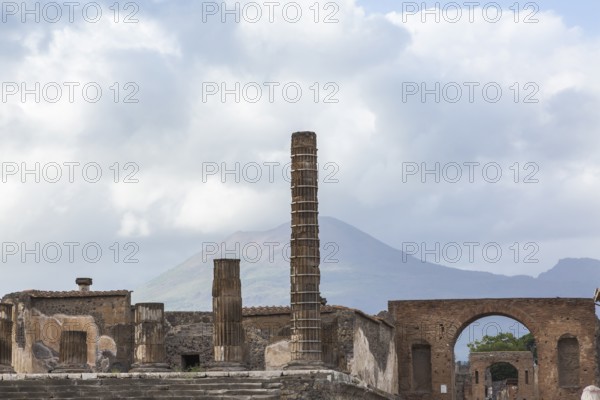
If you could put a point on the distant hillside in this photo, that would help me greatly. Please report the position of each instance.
(357, 271)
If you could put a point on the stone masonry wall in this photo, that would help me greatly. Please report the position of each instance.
(38, 323)
(521, 360)
(353, 342)
(188, 333)
(437, 323)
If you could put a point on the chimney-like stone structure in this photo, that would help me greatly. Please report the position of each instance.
(72, 353)
(228, 334)
(149, 347)
(6, 338)
(84, 284)
(305, 256)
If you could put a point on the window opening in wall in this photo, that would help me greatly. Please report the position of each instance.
(190, 361)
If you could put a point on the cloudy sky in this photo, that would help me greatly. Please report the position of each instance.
(466, 128)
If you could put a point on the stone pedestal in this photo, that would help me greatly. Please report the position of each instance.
(150, 352)
(305, 255)
(6, 338)
(72, 353)
(228, 336)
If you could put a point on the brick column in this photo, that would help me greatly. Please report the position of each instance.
(6, 338)
(150, 353)
(72, 353)
(228, 335)
(305, 257)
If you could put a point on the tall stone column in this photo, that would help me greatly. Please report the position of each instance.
(6, 338)
(228, 335)
(150, 353)
(72, 352)
(305, 256)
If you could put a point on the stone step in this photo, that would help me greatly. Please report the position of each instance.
(141, 395)
(224, 388)
(147, 394)
(40, 385)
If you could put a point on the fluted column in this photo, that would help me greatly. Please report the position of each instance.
(150, 352)
(6, 338)
(228, 335)
(72, 352)
(305, 256)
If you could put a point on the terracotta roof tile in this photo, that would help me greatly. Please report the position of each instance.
(70, 293)
(270, 310)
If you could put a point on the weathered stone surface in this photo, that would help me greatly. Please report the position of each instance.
(228, 334)
(438, 323)
(6, 338)
(288, 385)
(375, 360)
(479, 363)
(305, 257)
(372, 358)
(277, 355)
(73, 355)
(150, 352)
(40, 317)
(188, 333)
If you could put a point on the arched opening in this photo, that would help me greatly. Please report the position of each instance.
(502, 371)
(495, 357)
(502, 381)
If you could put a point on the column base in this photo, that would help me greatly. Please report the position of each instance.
(150, 367)
(304, 365)
(225, 366)
(6, 369)
(71, 369)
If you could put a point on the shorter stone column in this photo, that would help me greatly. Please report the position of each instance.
(150, 354)
(228, 336)
(72, 353)
(6, 338)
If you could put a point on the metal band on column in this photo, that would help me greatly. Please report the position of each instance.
(305, 258)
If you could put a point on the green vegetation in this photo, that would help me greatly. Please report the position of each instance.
(503, 342)
(501, 371)
(196, 368)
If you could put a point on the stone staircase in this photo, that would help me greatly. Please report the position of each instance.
(138, 387)
(243, 385)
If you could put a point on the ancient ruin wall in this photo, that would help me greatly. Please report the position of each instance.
(521, 360)
(39, 318)
(353, 342)
(434, 325)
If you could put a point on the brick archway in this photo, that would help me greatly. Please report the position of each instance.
(439, 323)
(522, 361)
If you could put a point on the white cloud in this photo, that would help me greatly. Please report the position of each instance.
(369, 133)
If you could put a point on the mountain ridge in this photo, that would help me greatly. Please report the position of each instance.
(357, 270)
